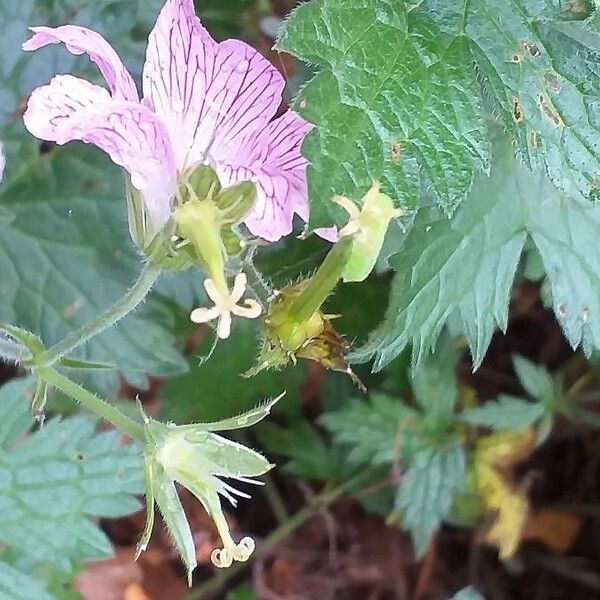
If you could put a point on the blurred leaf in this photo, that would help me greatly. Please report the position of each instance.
(231, 19)
(427, 490)
(306, 450)
(213, 389)
(409, 105)
(535, 379)
(285, 262)
(65, 256)
(494, 460)
(378, 431)
(15, 585)
(508, 412)
(434, 382)
(55, 479)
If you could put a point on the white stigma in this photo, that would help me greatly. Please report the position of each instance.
(226, 305)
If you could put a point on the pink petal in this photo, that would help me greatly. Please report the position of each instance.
(80, 40)
(272, 159)
(69, 108)
(213, 97)
(328, 233)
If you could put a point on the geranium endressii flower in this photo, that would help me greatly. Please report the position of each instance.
(203, 103)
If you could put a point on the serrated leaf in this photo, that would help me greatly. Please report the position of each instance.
(53, 480)
(541, 69)
(535, 379)
(468, 264)
(377, 431)
(506, 413)
(427, 490)
(15, 585)
(434, 382)
(468, 593)
(398, 91)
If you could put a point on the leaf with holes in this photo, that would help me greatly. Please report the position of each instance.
(396, 97)
(539, 65)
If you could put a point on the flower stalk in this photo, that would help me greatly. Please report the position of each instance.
(92, 402)
(121, 308)
(323, 282)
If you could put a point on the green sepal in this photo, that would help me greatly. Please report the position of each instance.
(204, 183)
(236, 201)
(40, 398)
(171, 509)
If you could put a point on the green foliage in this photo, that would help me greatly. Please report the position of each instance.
(388, 432)
(65, 252)
(54, 480)
(468, 264)
(428, 488)
(309, 456)
(376, 431)
(516, 414)
(15, 585)
(507, 412)
(398, 91)
(535, 379)
(538, 66)
(214, 388)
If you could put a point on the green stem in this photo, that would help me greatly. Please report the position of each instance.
(92, 402)
(281, 533)
(321, 284)
(117, 311)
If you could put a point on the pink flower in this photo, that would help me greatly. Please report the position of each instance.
(203, 102)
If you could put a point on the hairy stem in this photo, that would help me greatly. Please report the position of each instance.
(122, 307)
(322, 283)
(92, 402)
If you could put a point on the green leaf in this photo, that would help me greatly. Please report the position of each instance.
(428, 487)
(468, 264)
(540, 68)
(213, 389)
(535, 379)
(507, 412)
(55, 479)
(434, 382)
(468, 593)
(306, 450)
(400, 93)
(15, 585)
(65, 256)
(378, 431)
